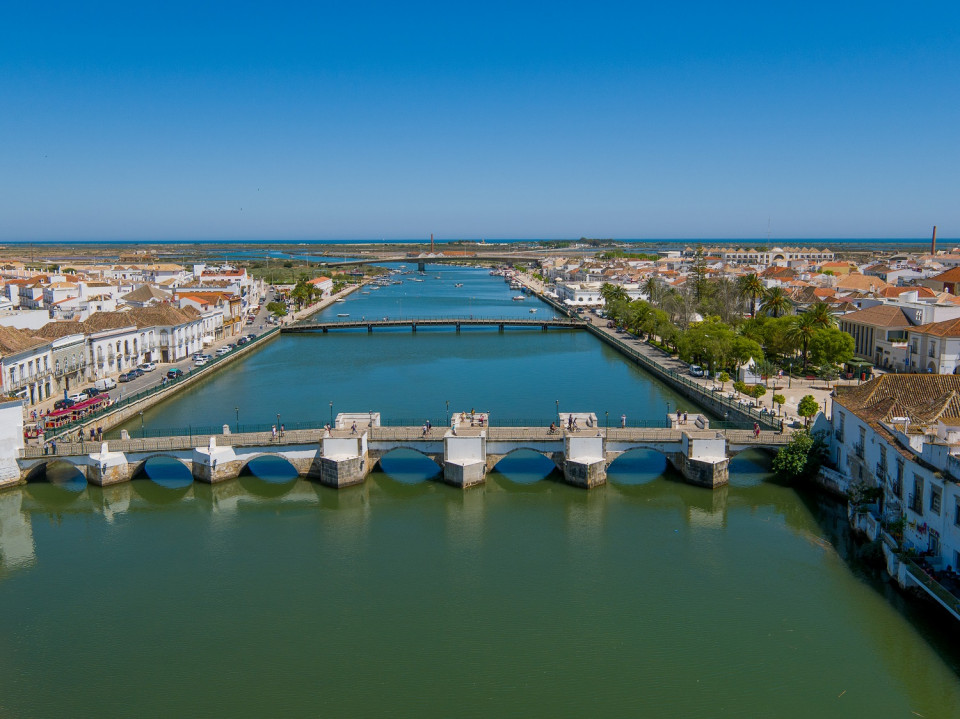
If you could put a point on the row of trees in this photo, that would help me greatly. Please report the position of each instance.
(768, 338)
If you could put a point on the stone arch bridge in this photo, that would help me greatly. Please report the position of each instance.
(343, 457)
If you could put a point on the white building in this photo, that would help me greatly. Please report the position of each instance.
(901, 434)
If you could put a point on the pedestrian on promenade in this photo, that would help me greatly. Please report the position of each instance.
(93, 434)
(282, 430)
(574, 426)
(429, 426)
(326, 428)
(353, 428)
(423, 431)
(273, 433)
(623, 421)
(570, 422)
(756, 431)
(679, 415)
(53, 446)
(684, 417)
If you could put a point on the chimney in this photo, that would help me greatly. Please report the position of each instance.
(933, 241)
(431, 239)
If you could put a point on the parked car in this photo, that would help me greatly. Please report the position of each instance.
(222, 351)
(242, 341)
(147, 366)
(92, 391)
(696, 371)
(252, 336)
(106, 383)
(200, 361)
(174, 373)
(127, 377)
(63, 404)
(79, 396)
(136, 372)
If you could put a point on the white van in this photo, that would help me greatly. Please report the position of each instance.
(106, 383)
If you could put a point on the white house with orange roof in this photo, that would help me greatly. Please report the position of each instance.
(322, 285)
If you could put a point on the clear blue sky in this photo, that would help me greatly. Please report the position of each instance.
(152, 120)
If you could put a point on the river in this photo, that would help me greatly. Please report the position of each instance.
(272, 595)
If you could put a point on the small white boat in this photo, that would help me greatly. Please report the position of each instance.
(459, 284)
(340, 300)
(519, 298)
(365, 292)
(343, 314)
(534, 309)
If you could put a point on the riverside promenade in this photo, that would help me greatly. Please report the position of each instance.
(703, 391)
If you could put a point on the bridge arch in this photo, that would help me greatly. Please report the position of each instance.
(638, 466)
(139, 470)
(524, 465)
(409, 465)
(749, 466)
(58, 471)
(268, 475)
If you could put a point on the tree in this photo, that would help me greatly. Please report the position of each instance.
(775, 302)
(758, 391)
(613, 293)
(723, 378)
(751, 288)
(779, 399)
(698, 274)
(831, 346)
(802, 330)
(740, 386)
(742, 349)
(801, 458)
(277, 308)
(652, 287)
(821, 314)
(808, 407)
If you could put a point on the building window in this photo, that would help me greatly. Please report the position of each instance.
(916, 499)
(956, 513)
(898, 484)
(935, 494)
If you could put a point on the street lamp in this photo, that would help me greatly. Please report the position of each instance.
(558, 411)
(607, 423)
(278, 425)
(448, 411)
(237, 411)
(141, 425)
(789, 373)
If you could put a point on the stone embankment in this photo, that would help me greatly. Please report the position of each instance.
(651, 360)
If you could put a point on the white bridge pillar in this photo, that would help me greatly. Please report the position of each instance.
(584, 463)
(464, 458)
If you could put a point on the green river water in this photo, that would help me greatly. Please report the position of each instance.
(273, 596)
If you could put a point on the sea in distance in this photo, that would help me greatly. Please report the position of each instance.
(273, 595)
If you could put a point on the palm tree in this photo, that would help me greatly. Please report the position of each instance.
(750, 287)
(613, 293)
(803, 329)
(820, 312)
(775, 302)
(652, 288)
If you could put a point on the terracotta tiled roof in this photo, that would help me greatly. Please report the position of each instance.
(880, 316)
(947, 328)
(924, 398)
(55, 330)
(951, 275)
(897, 291)
(145, 293)
(14, 341)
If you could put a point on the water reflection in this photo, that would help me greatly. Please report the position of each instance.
(524, 467)
(408, 467)
(638, 466)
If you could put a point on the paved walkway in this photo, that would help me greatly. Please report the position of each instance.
(793, 390)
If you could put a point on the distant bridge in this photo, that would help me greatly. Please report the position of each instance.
(500, 323)
(464, 453)
(420, 261)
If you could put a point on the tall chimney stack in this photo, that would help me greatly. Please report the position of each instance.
(431, 239)
(933, 241)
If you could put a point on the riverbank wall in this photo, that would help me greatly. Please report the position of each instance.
(713, 402)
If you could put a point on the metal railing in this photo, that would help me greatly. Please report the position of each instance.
(932, 585)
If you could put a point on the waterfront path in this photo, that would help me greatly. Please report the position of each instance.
(793, 389)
